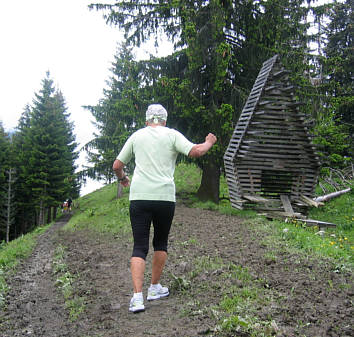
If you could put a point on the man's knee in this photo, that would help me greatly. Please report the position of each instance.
(160, 245)
(140, 251)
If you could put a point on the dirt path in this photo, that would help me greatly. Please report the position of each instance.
(307, 297)
(34, 307)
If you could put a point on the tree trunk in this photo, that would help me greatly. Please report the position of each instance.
(10, 205)
(49, 215)
(331, 195)
(210, 184)
(54, 214)
(41, 214)
(8, 217)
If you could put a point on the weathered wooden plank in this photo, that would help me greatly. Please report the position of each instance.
(309, 201)
(286, 204)
(281, 73)
(236, 205)
(261, 80)
(254, 155)
(311, 222)
(276, 142)
(262, 135)
(270, 61)
(279, 126)
(279, 149)
(271, 166)
(274, 147)
(277, 214)
(276, 91)
(255, 198)
(268, 105)
(286, 119)
(332, 195)
(278, 99)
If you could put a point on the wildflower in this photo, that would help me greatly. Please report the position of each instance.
(285, 230)
(332, 243)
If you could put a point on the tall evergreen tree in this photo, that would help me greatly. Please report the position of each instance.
(338, 85)
(4, 167)
(48, 159)
(25, 218)
(118, 114)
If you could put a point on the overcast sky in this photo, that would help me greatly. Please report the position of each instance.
(65, 38)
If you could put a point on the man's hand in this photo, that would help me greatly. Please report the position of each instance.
(210, 138)
(125, 182)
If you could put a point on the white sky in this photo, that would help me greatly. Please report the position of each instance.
(65, 38)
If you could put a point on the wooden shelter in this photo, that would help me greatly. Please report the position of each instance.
(270, 162)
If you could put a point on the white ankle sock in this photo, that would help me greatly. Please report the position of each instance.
(138, 295)
(155, 286)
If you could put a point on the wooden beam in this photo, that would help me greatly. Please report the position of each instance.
(331, 195)
(308, 201)
(286, 204)
(255, 198)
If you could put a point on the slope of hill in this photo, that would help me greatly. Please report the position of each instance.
(232, 274)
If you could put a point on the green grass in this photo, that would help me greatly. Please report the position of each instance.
(12, 253)
(101, 211)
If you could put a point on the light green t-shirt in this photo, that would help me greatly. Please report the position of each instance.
(155, 150)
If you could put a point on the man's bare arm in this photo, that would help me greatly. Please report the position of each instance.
(199, 150)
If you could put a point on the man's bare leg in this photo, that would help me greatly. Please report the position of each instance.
(137, 267)
(158, 263)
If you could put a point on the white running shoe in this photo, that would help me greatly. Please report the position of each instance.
(157, 291)
(136, 305)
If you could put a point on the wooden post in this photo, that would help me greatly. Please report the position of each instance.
(119, 190)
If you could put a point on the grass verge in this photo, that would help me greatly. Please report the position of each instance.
(102, 212)
(12, 253)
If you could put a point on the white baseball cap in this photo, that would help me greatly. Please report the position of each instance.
(156, 111)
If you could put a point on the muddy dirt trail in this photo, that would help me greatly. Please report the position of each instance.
(308, 297)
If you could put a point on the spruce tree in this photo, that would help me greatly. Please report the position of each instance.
(118, 114)
(4, 167)
(48, 159)
(25, 218)
(336, 129)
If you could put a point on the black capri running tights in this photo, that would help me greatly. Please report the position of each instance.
(142, 213)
